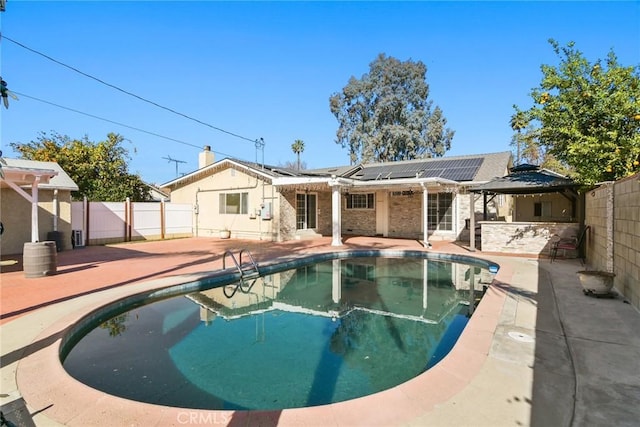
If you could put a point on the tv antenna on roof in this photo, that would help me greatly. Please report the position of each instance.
(175, 161)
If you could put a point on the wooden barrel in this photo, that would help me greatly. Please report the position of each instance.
(39, 259)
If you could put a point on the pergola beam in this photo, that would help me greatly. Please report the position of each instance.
(14, 177)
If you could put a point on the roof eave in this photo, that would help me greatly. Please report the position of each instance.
(24, 176)
(339, 181)
(215, 165)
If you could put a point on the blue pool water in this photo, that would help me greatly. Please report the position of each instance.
(312, 335)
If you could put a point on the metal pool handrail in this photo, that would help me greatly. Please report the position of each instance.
(250, 273)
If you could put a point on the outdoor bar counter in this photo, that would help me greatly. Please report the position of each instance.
(524, 237)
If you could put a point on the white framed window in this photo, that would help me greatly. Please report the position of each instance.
(234, 203)
(360, 201)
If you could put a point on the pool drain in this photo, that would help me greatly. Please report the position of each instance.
(519, 336)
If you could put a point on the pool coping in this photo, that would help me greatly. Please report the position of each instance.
(44, 383)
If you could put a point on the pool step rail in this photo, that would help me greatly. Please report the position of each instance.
(249, 273)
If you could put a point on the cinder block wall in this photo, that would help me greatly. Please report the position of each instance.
(625, 239)
(596, 218)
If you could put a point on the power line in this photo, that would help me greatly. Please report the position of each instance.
(125, 91)
(118, 123)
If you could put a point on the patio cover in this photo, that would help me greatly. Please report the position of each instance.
(523, 179)
(528, 179)
(19, 173)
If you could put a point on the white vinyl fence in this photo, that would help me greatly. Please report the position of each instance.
(97, 223)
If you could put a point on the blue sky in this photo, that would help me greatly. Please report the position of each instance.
(267, 69)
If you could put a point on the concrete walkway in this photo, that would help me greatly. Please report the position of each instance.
(552, 357)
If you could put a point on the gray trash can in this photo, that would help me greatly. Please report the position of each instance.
(39, 259)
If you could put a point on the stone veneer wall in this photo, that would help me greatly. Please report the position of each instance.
(288, 214)
(613, 212)
(287, 229)
(358, 221)
(523, 237)
(325, 218)
(405, 216)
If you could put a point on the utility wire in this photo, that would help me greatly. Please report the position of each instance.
(124, 91)
(118, 123)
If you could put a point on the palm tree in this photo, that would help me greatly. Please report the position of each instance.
(518, 122)
(298, 147)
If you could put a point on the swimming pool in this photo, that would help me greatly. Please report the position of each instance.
(337, 328)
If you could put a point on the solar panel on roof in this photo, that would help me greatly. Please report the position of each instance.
(453, 169)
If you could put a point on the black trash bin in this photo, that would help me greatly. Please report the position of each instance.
(55, 236)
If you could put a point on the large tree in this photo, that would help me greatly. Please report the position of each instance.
(387, 115)
(98, 168)
(529, 150)
(587, 115)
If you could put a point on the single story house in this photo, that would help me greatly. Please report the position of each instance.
(35, 204)
(418, 199)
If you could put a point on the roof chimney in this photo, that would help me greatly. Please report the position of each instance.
(206, 157)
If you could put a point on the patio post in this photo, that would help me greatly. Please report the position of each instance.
(336, 276)
(336, 213)
(425, 227)
(34, 210)
(472, 222)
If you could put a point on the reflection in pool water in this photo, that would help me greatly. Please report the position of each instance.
(317, 334)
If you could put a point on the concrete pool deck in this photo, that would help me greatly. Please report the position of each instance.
(536, 352)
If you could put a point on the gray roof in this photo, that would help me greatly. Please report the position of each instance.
(527, 179)
(468, 168)
(61, 181)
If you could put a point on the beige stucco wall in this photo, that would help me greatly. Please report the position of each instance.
(204, 193)
(15, 213)
(621, 248)
(560, 208)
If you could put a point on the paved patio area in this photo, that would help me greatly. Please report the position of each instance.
(536, 352)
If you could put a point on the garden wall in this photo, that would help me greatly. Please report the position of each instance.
(613, 243)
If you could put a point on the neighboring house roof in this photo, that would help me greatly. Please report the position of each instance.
(60, 180)
(527, 179)
(156, 193)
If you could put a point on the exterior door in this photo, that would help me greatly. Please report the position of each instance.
(440, 211)
(382, 213)
(306, 211)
